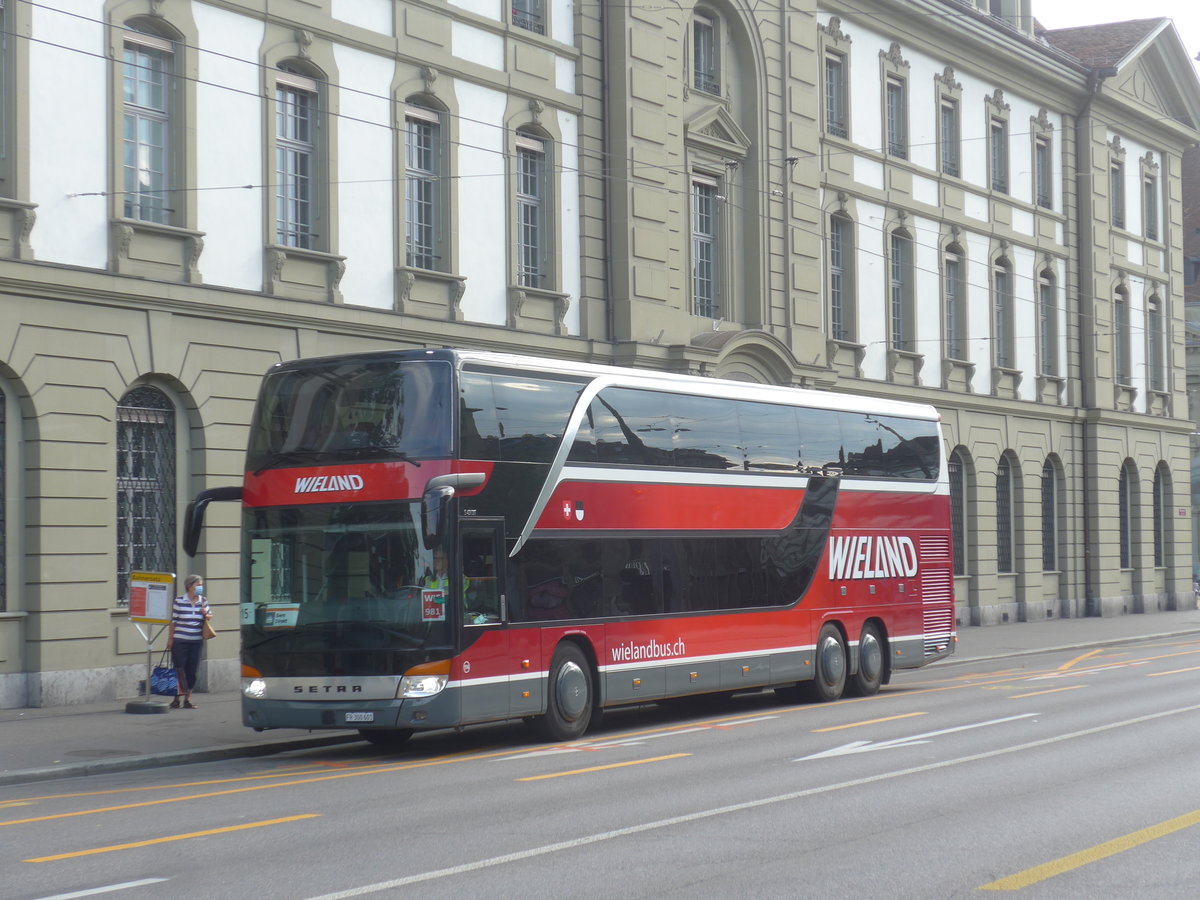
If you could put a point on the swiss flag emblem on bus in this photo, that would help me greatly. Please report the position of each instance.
(567, 509)
(572, 507)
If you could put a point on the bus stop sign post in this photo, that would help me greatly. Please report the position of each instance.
(149, 605)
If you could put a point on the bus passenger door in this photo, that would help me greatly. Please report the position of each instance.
(486, 659)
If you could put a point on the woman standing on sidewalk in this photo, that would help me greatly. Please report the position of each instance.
(185, 639)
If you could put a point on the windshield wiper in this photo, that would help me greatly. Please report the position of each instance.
(377, 450)
(282, 456)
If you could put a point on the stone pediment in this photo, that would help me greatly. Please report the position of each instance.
(1158, 77)
(715, 129)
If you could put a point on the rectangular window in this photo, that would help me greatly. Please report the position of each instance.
(837, 278)
(998, 153)
(1116, 184)
(705, 293)
(897, 118)
(836, 122)
(704, 55)
(295, 159)
(949, 138)
(146, 89)
(531, 190)
(1043, 173)
(1002, 318)
(1156, 338)
(530, 15)
(1047, 326)
(1150, 206)
(952, 286)
(1121, 339)
(901, 292)
(421, 149)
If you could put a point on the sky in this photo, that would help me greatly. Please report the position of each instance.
(1070, 13)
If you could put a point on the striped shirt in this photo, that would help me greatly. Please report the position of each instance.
(188, 618)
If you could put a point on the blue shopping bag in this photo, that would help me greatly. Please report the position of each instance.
(163, 679)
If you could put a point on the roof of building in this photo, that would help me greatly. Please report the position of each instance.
(1102, 45)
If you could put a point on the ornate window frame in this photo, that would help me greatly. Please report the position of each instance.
(948, 92)
(999, 152)
(834, 47)
(1041, 136)
(894, 76)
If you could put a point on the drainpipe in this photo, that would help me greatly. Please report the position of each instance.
(1085, 276)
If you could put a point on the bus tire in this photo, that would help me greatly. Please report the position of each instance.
(829, 679)
(386, 738)
(871, 663)
(570, 699)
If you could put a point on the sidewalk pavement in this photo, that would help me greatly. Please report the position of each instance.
(96, 738)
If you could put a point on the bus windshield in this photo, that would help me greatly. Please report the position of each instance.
(344, 409)
(339, 589)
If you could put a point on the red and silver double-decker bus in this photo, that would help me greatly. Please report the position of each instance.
(434, 538)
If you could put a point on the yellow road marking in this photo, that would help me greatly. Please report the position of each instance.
(1077, 659)
(1172, 672)
(1092, 854)
(869, 722)
(166, 840)
(620, 765)
(1071, 687)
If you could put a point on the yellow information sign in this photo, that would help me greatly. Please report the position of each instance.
(150, 596)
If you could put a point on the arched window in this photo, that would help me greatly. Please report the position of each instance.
(145, 485)
(1005, 538)
(1162, 519)
(900, 287)
(954, 302)
(1126, 512)
(1047, 305)
(1049, 517)
(841, 279)
(1004, 353)
(958, 511)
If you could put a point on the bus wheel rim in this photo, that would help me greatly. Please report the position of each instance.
(571, 691)
(870, 656)
(833, 661)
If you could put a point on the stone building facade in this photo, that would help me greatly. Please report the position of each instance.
(928, 199)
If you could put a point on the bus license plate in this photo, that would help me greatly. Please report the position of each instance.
(360, 717)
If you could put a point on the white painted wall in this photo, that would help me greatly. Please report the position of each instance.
(477, 45)
(68, 133)
(482, 213)
(229, 149)
(373, 15)
(366, 175)
(568, 199)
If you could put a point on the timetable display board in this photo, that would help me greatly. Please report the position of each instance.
(150, 596)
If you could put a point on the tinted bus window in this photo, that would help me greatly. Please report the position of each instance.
(820, 438)
(513, 418)
(632, 427)
(771, 436)
(888, 447)
(706, 431)
(353, 409)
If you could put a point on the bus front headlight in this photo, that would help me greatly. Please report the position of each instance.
(425, 680)
(254, 688)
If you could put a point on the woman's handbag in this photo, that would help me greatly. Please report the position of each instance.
(163, 679)
(207, 630)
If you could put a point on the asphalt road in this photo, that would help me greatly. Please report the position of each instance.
(1063, 775)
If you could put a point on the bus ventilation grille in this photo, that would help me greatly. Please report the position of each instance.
(939, 628)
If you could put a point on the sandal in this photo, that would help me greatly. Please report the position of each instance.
(174, 704)
(188, 704)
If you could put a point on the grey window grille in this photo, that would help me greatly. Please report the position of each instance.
(1116, 185)
(1043, 173)
(901, 291)
(1160, 517)
(1150, 206)
(897, 115)
(1047, 325)
(1004, 516)
(953, 286)
(145, 486)
(949, 138)
(1049, 518)
(1002, 318)
(999, 155)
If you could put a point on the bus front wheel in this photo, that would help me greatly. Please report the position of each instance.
(570, 700)
(830, 678)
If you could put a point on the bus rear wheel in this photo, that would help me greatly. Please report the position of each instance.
(869, 677)
(386, 738)
(830, 678)
(570, 700)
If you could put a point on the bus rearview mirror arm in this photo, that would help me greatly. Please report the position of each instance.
(435, 503)
(193, 520)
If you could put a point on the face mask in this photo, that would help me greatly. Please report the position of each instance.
(199, 590)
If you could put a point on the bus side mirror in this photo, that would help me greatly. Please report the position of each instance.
(193, 518)
(435, 507)
(435, 503)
